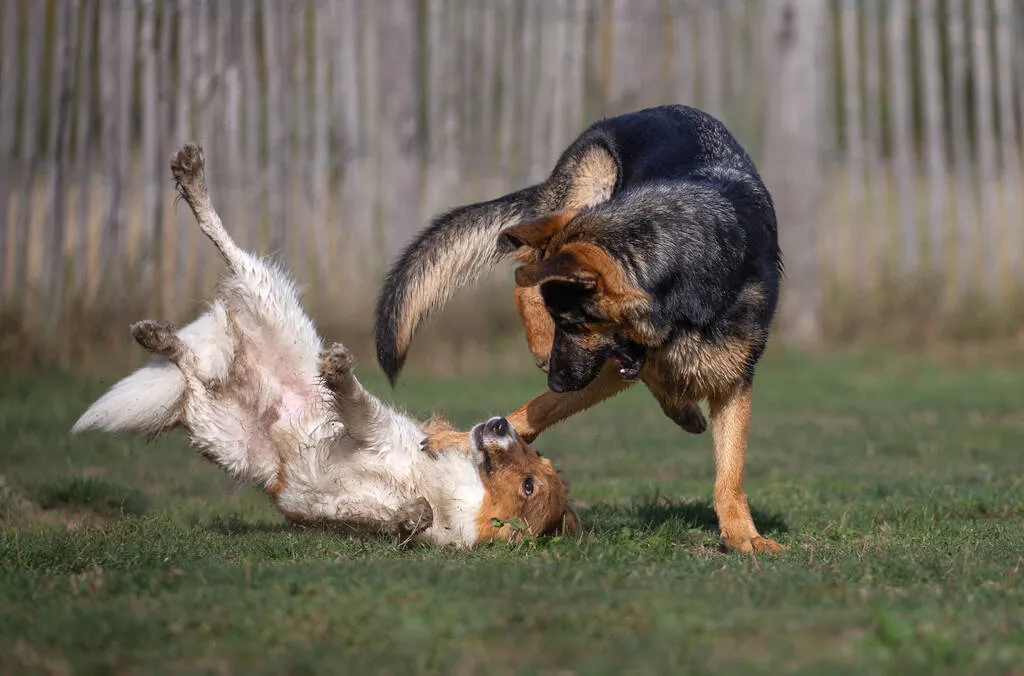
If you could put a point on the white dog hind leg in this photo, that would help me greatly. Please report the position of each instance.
(218, 427)
(259, 295)
(189, 169)
(405, 522)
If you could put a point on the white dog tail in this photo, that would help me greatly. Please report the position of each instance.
(147, 402)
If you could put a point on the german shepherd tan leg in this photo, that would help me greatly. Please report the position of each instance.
(549, 407)
(540, 329)
(730, 419)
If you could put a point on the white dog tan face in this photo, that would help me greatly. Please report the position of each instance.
(257, 395)
(519, 483)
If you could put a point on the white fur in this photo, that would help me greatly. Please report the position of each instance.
(246, 388)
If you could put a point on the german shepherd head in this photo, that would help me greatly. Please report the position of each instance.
(598, 311)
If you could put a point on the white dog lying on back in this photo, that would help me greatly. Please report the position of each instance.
(257, 395)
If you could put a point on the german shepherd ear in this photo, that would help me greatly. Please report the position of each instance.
(562, 268)
(537, 232)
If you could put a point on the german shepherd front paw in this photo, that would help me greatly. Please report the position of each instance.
(754, 545)
(688, 416)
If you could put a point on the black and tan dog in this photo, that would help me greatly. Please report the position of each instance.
(651, 251)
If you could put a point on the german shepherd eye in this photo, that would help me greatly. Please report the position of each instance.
(528, 486)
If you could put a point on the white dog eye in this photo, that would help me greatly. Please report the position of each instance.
(528, 486)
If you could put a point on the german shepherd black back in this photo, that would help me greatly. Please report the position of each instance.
(651, 251)
(655, 144)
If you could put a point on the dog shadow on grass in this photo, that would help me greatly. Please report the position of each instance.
(663, 514)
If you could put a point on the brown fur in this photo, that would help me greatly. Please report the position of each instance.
(540, 330)
(730, 419)
(549, 407)
(678, 373)
(593, 180)
(538, 231)
(545, 511)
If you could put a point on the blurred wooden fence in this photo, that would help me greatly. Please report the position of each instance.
(334, 128)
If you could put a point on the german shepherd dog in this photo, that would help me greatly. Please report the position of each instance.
(650, 252)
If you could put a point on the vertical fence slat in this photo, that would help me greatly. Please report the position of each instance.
(853, 135)
(508, 98)
(203, 84)
(250, 217)
(53, 252)
(125, 58)
(712, 95)
(85, 84)
(901, 89)
(295, 97)
(400, 141)
(981, 73)
(275, 134)
(150, 173)
(487, 84)
(793, 67)
(321, 169)
(575, 62)
(934, 130)
(1009, 143)
(877, 217)
(183, 123)
(541, 112)
(165, 126)
(957, 104)
(8, 140)
(224, 18)
(636, 43)
(684, 63)
(346, 110)
(29, 151)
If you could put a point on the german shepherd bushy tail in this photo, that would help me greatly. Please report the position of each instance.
(454, 250)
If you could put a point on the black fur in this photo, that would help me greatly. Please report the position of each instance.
(425, 255)
(689, 219)
(693, 246)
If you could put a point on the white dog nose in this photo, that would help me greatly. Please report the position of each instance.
(497, 426)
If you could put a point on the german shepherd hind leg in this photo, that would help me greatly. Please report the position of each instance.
(730, 420)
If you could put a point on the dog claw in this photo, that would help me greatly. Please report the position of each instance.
(335, 363)
(188, 163)
(754, 545)
(157, 337)
(415, 517)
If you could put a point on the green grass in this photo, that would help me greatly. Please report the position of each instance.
(897, 484)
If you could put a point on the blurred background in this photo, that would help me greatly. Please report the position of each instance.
(889, 132)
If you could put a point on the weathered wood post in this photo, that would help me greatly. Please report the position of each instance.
(792, 164)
